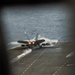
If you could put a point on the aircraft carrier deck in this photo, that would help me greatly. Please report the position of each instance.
(44, 61)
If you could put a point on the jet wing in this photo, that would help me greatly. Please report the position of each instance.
(39, 41)
(20, 41)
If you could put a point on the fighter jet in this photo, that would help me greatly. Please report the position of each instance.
(31, 42)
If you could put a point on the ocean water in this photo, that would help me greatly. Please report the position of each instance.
(50, 21)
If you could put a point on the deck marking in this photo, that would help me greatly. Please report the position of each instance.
(71, 65)
(33, 62)
(20, 56)
(60, 67)
(70, 55)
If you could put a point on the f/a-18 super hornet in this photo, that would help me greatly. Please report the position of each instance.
(31, 43)
(37, 41)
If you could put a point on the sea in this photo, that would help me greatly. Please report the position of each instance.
(51, 21)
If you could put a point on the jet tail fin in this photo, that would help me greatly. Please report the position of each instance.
(27, 36)
(37, 36)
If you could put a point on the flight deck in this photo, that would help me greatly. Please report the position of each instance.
(44, 61)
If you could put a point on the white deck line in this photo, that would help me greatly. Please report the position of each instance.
(70, 55)
(26, 52)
